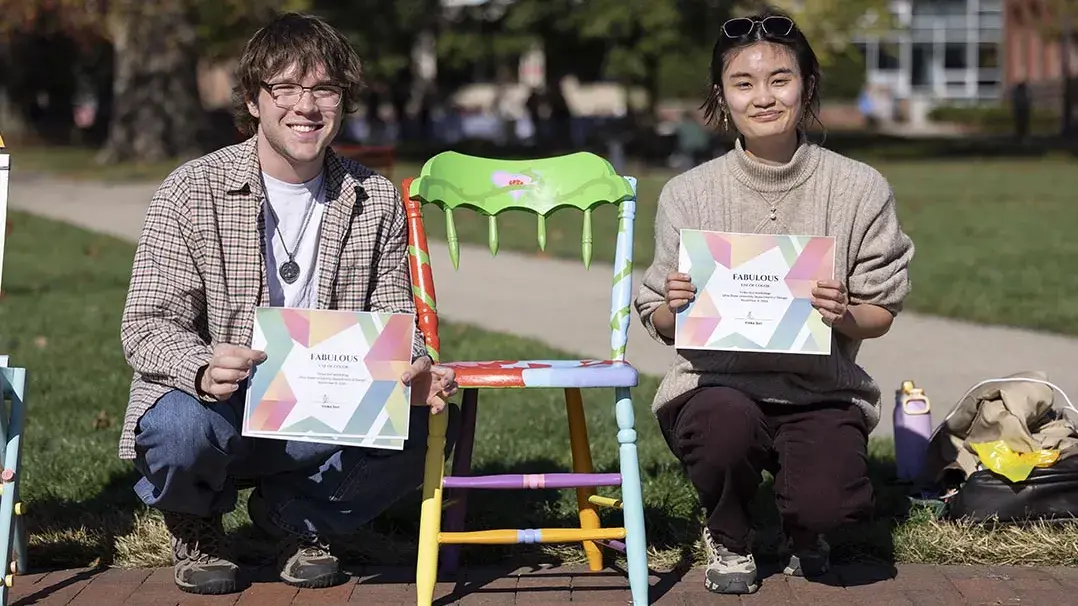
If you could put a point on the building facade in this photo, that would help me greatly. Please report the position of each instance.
(1034, 48)
(943, 50)
(968, 51)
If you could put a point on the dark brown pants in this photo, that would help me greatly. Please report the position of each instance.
(818, 456)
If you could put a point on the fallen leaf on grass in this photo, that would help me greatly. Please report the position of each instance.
(103, 420)
(41, 341)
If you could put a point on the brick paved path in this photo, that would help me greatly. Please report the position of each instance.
(846, 586)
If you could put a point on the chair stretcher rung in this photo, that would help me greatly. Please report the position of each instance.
(534, 481)
(604, 501)
(612, 544)
(529, 536)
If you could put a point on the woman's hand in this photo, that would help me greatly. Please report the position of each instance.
(679, 290)
(832, 301)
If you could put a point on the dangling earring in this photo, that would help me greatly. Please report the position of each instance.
(725, 120)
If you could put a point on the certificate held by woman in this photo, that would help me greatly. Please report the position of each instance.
(755, 292)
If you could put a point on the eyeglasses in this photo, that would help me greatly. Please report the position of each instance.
(286, 95)
(743, 26)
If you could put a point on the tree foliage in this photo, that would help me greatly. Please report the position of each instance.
(829, 24)
(382, 32)
(663, 45)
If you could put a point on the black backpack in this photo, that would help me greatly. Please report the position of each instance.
(1048, 493)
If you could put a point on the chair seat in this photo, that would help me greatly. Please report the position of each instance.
(544, 373)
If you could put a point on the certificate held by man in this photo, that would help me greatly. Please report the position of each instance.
(754, 292)
(331, 376)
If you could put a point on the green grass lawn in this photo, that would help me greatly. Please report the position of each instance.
(994, 237)
(59, 318)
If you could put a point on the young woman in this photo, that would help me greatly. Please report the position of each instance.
(728, 416)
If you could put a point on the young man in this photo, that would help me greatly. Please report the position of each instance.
(277, 220)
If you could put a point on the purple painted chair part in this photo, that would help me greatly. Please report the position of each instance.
(517, 481)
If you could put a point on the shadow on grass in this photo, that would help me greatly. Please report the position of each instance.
(483, 566)
(889, 147)
(76, 534)
(80, 534)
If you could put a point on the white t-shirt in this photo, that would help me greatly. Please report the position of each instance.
(293, 204)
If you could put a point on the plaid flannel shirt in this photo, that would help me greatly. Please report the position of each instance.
(199, 268)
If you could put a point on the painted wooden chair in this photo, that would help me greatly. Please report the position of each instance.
(12, 525)
(13, 389)
(583, 181)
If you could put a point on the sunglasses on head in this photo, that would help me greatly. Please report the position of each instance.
(743, 26)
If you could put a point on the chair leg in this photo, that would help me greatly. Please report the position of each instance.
(21, 559)
(581, 449)
(426, 573)
(632, 498)
(462, 466)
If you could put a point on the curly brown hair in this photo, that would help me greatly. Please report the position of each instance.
(294, 39)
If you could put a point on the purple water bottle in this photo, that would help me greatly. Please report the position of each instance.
(913, 430)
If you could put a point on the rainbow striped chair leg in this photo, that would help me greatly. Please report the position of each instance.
(12, 526)
(456, 511)
(586, 498)
(454, 181)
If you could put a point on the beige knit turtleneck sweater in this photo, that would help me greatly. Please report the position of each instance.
(818, 192)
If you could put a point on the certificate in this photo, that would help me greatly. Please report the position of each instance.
(331, 376)
(754, 292)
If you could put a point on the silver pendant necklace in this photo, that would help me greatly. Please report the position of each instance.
(773, 216)
(289, 270)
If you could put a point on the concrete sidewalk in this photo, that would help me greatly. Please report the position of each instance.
(560, 303)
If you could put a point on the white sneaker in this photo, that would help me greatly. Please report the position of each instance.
(728, 572)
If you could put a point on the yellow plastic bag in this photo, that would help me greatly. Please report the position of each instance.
(1015, 466)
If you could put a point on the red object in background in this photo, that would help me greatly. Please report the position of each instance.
(380, 158)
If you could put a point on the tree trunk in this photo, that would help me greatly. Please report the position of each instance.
(12, 125)
(157, 111)
(37, 86)
(1065, 72)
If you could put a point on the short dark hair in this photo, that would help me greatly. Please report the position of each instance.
(303, 40)
(795, 42)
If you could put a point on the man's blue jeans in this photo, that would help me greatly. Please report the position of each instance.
(191, 454)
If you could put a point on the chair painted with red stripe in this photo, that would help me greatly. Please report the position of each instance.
(582, 181)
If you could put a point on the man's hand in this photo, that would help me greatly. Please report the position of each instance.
(230, 365)
(431, 385)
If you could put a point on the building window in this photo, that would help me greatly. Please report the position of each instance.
(988, 55)
(922, 65)
(954, 56)
(888, 56)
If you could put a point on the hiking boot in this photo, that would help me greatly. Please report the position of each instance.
(811, 561)
(200, 559)
(728, 572)
(308, 563)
